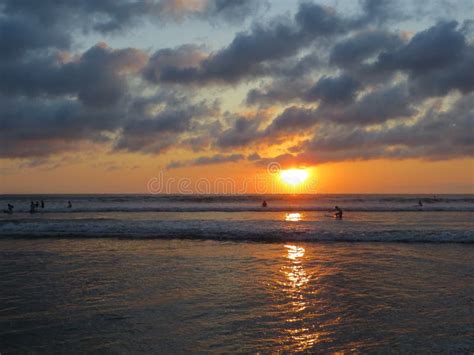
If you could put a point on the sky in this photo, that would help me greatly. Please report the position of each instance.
(157, 96)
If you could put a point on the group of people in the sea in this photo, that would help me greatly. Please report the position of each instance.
(33, 206)
(338, 211)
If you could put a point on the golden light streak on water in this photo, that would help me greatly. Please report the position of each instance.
(293, 217)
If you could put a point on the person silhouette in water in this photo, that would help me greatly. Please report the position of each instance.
(9, 210)
(338, 213)
(69, 204)
(264, 203)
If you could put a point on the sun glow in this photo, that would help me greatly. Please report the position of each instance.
(293, 217)
(294, 176)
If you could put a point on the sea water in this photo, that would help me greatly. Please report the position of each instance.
(179, 274)
(446, 218)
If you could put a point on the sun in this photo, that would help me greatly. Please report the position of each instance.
(294, 176)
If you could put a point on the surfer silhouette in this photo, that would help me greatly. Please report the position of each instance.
(9, 210)
(69, 204)
(338, 213)
(264, 203)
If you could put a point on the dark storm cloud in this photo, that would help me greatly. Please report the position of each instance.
(34, 127)
(42, 127)
(103, 16)
(97, 78)
(215, 159)
(234, 11)
(353, 51)
(436, 47)
(436, 135)
(458, 76)
(242, 132)
(107, 16)
(291, 80)
(292, 120)
(436, 60)
(374, 107)
(249, 52)
(334, 90)
(19, 35)
(381, 11)
(349, 55)
(174, 62)
(238, 59)
(156, 133)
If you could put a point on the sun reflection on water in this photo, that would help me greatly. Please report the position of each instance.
(294, 252)
(300, 336)
(307, 319)
(293, 217)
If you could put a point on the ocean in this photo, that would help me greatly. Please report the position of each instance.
(214, 274)
(444, 218)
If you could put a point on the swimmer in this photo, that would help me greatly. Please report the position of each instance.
(9, 210)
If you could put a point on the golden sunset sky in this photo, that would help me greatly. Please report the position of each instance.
(368, 96)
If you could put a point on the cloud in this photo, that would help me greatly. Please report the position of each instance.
(250, 53)
(283, 90)
(109, 16)
(20, 36)
(35, 127)
(374, 107)
(436, 47)
(436, 135)
(353, 51)
(381, 11)
(160, 123)
(292, 120)
(335, 90)
(234, 11)
(242, 132)
(205, 160)
(437, 60)
(174, 62)
(357, 82)
(97, 77)
(38, 127)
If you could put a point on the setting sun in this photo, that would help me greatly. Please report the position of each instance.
(294, 176)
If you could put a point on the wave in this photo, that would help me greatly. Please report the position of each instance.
(387, 237)
(262, 231)
(244, 208)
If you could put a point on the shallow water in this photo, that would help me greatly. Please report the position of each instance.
(445, 218)
(114, 295)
